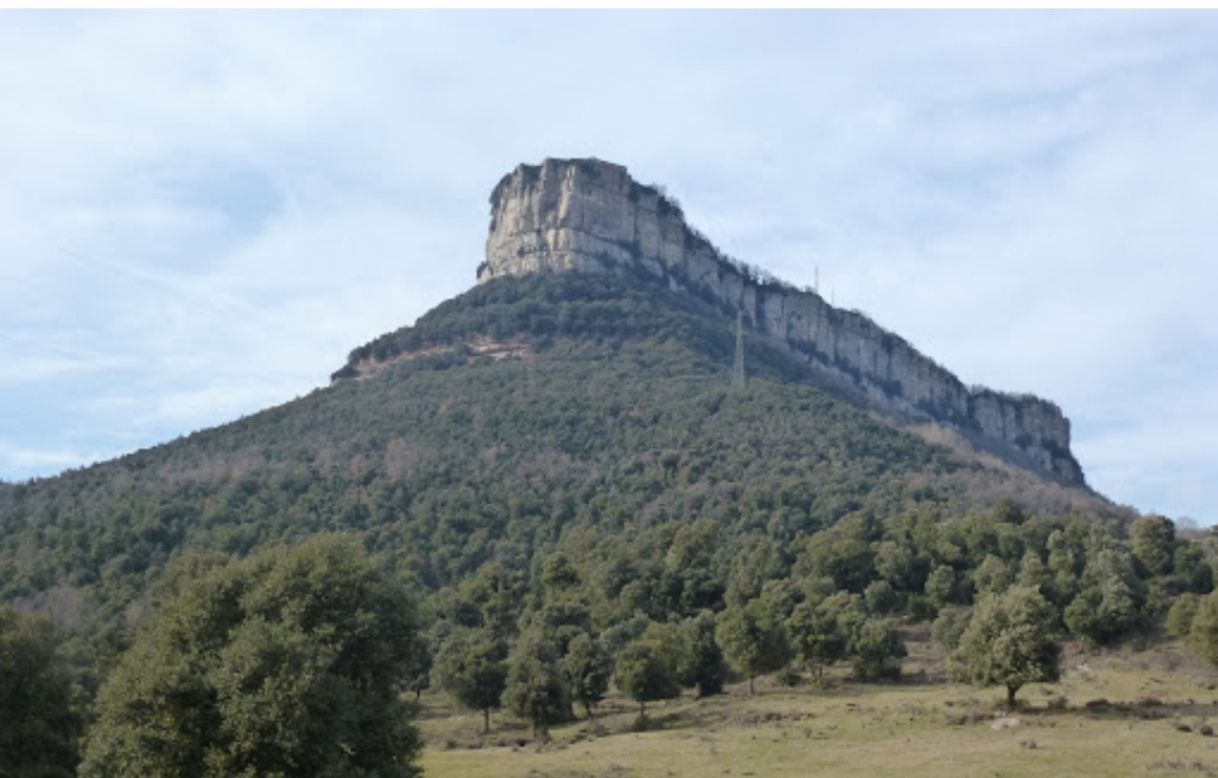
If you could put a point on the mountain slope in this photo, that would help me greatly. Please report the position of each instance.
(523, 409)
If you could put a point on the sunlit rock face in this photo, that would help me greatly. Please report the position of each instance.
(590, 215)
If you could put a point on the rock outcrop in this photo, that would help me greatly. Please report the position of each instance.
(589, 215)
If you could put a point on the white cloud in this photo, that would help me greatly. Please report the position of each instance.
(22, 461)
(31, 368)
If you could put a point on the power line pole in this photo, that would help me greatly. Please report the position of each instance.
(738, 372)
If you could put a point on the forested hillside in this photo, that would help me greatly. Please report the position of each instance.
(612, 416)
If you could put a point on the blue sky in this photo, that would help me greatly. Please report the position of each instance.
(200, 214)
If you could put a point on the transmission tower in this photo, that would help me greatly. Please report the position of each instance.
(738, 372)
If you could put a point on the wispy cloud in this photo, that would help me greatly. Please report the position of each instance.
(201, 213)
(23, 461)
(31, 369)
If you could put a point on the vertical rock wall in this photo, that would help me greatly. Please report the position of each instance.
(590, 215)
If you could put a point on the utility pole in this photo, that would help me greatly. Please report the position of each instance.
(738, 372)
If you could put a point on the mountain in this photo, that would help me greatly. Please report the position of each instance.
(583, 392)
(591, 216)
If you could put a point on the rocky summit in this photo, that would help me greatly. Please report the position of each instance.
(587, 215)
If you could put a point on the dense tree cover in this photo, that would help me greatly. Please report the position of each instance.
(1010, 640)
(1111, 596)
(620, 418)
(285, 663)
(38, 721)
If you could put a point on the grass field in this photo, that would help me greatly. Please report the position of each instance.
(1124, 713)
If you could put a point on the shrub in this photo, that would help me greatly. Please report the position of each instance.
(1179, 621)
(875, 648)
(949, 626)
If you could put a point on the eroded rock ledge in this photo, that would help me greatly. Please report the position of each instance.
(590, 215)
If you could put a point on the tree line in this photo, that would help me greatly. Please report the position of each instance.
(308, 658)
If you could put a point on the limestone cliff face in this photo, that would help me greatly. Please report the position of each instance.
(589, 215)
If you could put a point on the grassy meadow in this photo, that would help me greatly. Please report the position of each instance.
(1128, 712)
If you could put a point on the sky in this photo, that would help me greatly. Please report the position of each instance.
(202, 213)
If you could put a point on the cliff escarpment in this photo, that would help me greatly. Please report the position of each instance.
(589, 215)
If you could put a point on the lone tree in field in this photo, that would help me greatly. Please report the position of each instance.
(646, 672)
(289, 662)
(470, 666)
(1009, 641)
(753, 639)
(38, 727)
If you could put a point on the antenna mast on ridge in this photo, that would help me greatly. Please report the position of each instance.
(738, 372)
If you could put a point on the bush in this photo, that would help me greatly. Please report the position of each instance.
(875, 648)
(1203, 636)
(1179, 621)
(949, 626)
(880, 597)
(941, 586)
